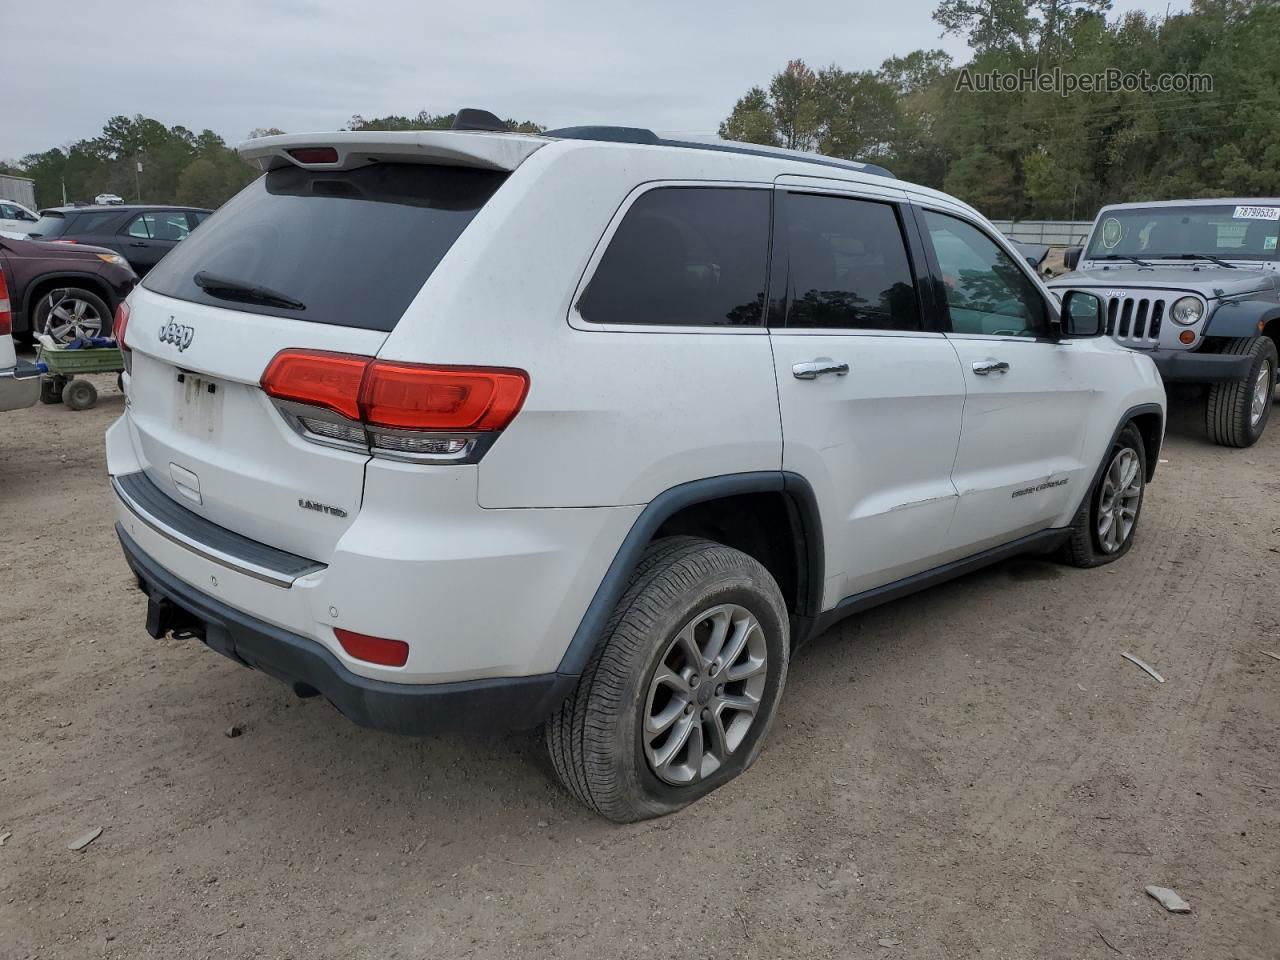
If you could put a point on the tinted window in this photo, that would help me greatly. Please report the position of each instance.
(93, 222)
(49, 225)
(354, 246)
(846, 265)
(986, 292)
(689, 256)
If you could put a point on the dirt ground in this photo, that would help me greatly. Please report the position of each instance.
(973, 772)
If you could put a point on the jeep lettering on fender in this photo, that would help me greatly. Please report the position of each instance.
(177, 334)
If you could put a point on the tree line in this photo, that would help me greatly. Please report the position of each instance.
(1024, 153)
(142, 160)
(1034, 153)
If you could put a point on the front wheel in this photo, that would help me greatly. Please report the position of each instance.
(71, 313)
(678, 697)
(1105, 525)
(1237, 412)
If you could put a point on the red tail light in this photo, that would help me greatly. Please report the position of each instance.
(121, 324)
(6, 314)
(388, 653)
(399, 396)
(409, 396)
(318, 379)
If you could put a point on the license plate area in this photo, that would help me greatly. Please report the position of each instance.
(197, 407)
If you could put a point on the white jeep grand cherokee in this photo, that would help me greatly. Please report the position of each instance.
(474, 429)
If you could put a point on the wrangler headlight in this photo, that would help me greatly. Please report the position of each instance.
(1186, 311)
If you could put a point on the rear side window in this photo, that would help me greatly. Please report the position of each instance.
(93, 222)
(354, 247)
(846, 265)
(685, 256)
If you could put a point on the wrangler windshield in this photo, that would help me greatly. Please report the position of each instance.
(1234, 232)
(348, 247)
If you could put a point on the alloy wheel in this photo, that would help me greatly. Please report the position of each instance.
(1118, 498)
(1263, 390)
(72, 317)
(705, 694)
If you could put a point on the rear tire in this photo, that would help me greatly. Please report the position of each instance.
(1105, 525)
(649, 730)
(1236, 412)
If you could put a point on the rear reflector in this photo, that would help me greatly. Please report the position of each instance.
(6, 315)
(387, 653)
(314, 154)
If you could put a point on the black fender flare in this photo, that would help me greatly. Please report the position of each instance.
(1241, 318)
(801, 501)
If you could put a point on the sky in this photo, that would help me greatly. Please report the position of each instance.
(308, 65)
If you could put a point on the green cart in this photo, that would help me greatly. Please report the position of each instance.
(63, 366)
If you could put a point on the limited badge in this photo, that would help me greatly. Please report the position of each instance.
(1112, 232)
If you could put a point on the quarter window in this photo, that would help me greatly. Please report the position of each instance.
(986, 292)
(846, 265)
(685, 256)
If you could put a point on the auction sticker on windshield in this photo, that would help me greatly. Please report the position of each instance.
(1112, 231)
(1257, 213)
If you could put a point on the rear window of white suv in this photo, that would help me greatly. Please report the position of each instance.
(348, 247)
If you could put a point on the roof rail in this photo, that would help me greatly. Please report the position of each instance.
(642, 136)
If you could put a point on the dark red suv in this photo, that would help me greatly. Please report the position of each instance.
(65, 290)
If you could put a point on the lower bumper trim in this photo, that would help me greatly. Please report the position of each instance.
(307, 667)
(1180, 367)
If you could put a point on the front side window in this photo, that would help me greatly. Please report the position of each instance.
(685, 256)
(986, 292)
(846, 265)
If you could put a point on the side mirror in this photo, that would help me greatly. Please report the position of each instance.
(1071, 257)
(1082, 315)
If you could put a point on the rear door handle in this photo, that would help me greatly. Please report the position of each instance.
(812, 369)
(138, 243)
(984, 367)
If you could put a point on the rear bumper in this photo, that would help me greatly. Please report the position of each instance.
(306, 666)
(19, 386)
(1185, 367)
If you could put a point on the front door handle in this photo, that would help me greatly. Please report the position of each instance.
(812, 369)
(984, 367)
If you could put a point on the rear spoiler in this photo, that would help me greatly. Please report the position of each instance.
(347, 149)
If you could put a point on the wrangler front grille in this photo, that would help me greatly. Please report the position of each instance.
(1135, 320)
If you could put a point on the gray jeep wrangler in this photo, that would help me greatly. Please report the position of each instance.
(1196, 285)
